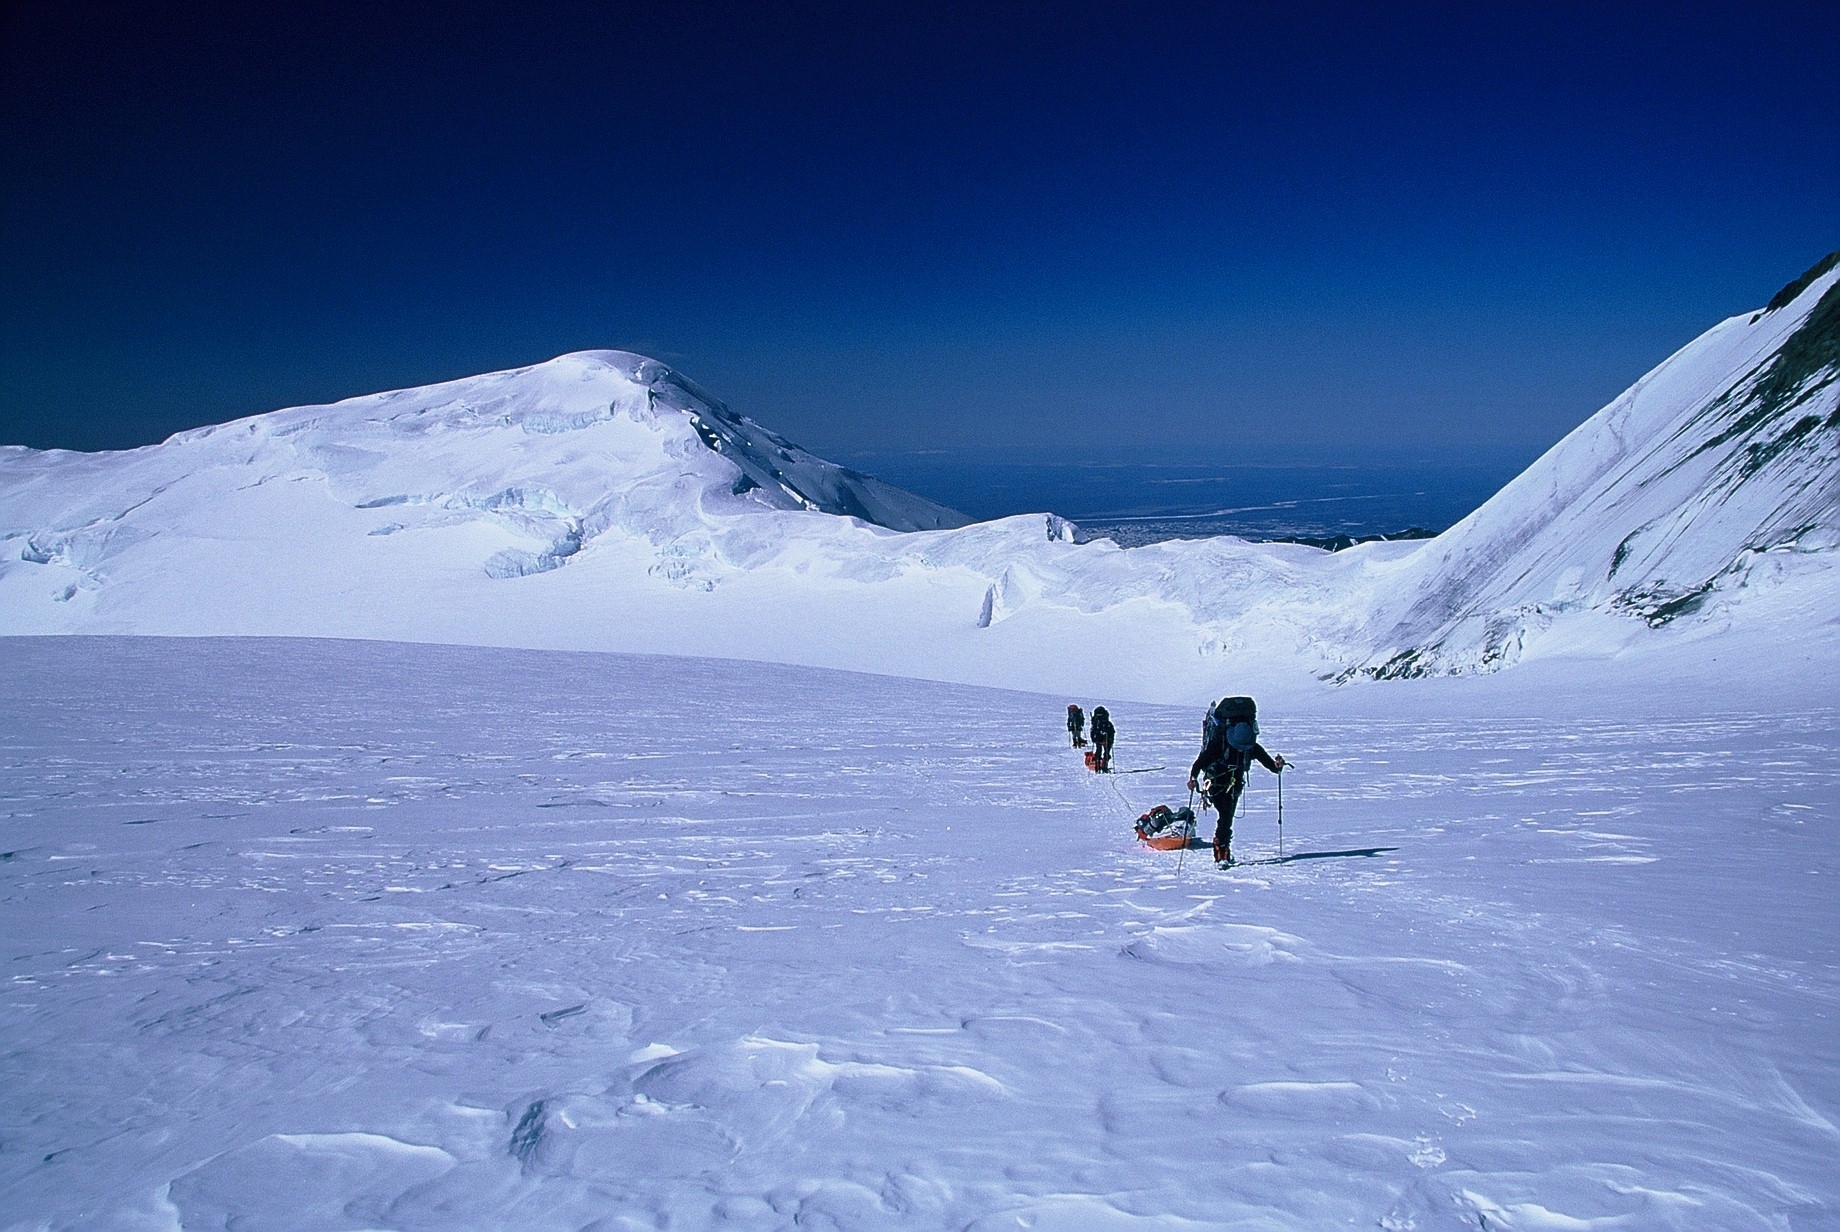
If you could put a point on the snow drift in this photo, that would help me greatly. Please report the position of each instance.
(602, 501)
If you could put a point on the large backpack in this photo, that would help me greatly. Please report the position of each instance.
(1238, 717)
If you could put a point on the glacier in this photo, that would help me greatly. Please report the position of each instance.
(354, 934)
(552, 800)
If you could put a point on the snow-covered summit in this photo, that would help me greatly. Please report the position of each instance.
(557, 452)
(774, 466)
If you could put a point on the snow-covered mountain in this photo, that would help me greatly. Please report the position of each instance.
(557, 453)
(597, 501)
(1714, 476)
(335, 935)
(601, 501)
(313, 933)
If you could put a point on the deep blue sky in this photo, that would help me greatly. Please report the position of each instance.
(1326, 234)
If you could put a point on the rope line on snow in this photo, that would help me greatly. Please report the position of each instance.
(1111, 780)
(1119, 791)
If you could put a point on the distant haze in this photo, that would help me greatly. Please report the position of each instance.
(1140, 496)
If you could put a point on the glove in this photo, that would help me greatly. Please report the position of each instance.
(1191, 784)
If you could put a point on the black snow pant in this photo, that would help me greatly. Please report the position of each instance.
(1102, 749)
(1223, 793)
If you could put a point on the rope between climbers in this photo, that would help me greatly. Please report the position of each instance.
(1119, 792)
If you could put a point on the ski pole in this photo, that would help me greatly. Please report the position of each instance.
(1280, 812)
(1188, 832)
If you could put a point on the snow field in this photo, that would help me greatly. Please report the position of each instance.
(342, 935)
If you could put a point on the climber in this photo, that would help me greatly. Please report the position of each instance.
(1229, 743)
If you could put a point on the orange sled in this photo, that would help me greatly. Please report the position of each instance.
(1166, 829)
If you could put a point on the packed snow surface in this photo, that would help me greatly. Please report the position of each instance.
(600, 501)
(341, 935)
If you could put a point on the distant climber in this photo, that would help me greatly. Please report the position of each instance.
(1102, 736)
(1076, 726)
(1229, 743)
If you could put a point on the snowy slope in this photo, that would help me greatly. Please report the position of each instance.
(360, 935)
(556, 454)
(601, 501)
(1715, 474)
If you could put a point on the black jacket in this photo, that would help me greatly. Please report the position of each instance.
(1218, 753)
(1102, 730)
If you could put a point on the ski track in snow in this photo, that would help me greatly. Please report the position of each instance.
(339, 935)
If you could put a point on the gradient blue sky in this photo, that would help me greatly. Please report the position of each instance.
(1328, 233)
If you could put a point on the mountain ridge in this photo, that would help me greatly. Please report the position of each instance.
(603, 501)
(1658, 505)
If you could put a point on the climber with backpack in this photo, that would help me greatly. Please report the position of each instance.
(1102, 735)
(1076, 726)
(1229, 744)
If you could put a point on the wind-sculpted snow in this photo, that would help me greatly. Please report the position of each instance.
(603, 501)
(362, 935)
